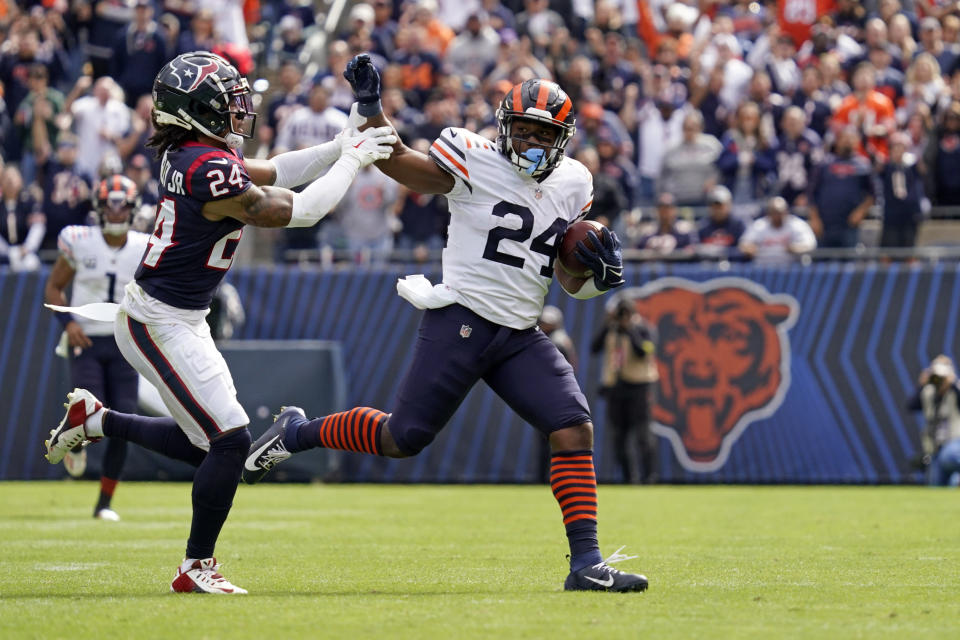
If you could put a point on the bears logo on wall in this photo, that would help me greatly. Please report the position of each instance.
(723, 356)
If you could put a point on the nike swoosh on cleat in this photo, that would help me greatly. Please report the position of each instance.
(256, 454)
(603, 583)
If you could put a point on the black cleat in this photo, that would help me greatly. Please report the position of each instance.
(269, 451)
(603, 577)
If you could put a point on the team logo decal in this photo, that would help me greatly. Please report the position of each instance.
(724, 361)
(193, 74)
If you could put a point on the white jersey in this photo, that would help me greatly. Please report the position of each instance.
(102, 271)
(504, 227)
(774, 243)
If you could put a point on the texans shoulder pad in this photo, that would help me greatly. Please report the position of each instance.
(217, 174)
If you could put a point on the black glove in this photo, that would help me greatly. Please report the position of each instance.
(365, 82)
(604, 260)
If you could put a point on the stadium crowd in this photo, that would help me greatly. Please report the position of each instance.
(733, 128)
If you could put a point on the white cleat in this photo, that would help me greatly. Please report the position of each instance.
(71, 433)
(201, 576)
(75, 462)
(107, 514)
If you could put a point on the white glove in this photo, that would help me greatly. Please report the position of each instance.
(367, 146)
(355, 120)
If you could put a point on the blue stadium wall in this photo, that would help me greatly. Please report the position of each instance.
(849, 354)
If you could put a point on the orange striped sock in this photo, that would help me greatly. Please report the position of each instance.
(574, 485)
(108, 486)
(354, 430)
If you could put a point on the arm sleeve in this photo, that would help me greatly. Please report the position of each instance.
(295, 168)
(587, 291)
(319, 199)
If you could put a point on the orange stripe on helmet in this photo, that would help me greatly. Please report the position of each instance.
(517, 100)
(543, 95)
(565, 109)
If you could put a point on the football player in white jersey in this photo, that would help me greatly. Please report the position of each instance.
(99, 261)
(510, 203)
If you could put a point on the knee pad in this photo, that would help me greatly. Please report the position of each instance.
(411, 439)
(235, 443)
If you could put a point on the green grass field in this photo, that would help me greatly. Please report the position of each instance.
(485, 562)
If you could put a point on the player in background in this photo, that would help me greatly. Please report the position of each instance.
(510, 203)
(202, 113)
(99, 261)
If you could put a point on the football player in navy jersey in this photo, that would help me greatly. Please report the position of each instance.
(202, 113)
(510, 203)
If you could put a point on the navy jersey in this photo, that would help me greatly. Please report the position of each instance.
(188, 255)
(839, 186)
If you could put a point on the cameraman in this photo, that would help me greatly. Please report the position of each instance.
(939, 399)
(629, 375)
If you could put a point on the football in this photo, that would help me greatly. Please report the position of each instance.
(571, 273)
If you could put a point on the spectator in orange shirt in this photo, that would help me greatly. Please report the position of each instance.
(868, 110)
(437, 36)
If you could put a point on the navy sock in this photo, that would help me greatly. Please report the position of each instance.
(291, 438)
(214, 486)
(574, 485)
(113, 459)
(162, 435)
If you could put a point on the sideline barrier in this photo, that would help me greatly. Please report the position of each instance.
(779, 375)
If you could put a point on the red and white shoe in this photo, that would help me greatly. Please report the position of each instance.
(201, 576)
(76, 461)
(71, 433)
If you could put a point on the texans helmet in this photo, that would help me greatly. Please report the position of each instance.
(202, 91)
(115, 201)
(540, 101)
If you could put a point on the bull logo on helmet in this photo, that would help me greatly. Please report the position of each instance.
(723, 358)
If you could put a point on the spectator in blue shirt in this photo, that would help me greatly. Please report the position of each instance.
(66, 193)
(799, 150)
(811, 98)
(720, 233)
(669, 236)
(139, 52)
(841, 193)
(942, 158)
(748, 159)
(902, 195)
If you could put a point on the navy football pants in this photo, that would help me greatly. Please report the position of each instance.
(455, 349)
(102, 370)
